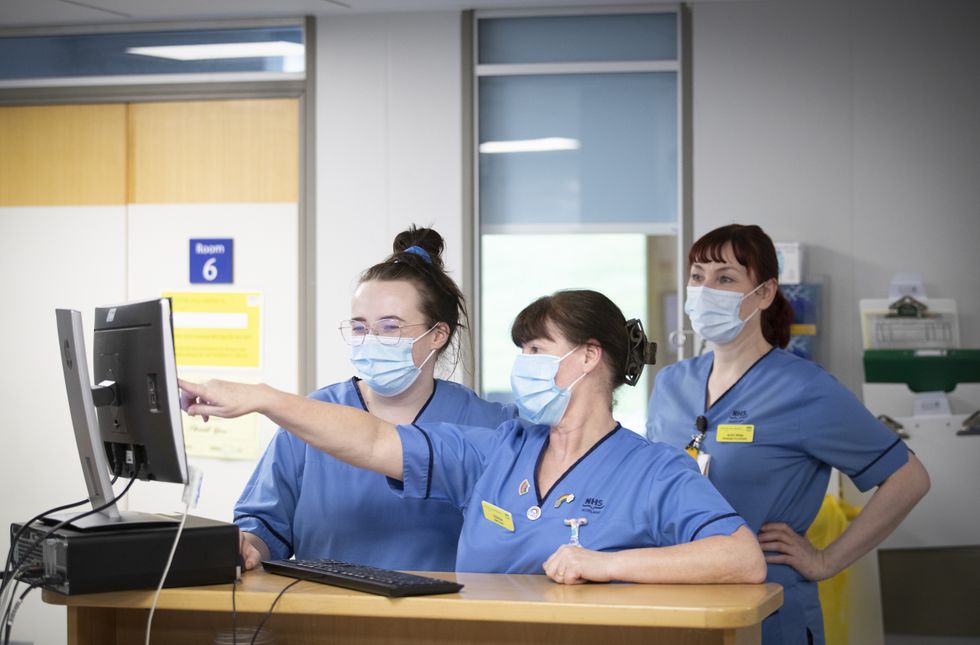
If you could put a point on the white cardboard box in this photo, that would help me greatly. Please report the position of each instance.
(790, 257)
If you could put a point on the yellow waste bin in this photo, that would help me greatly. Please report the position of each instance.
(834, 516)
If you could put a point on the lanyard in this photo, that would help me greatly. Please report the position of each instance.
(694, 446)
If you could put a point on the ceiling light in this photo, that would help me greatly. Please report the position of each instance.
(266, 49)
(546, 144)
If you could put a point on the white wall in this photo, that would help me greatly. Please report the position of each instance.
(389, 153)
(158, 258)
(49, 257)
(81, 257)
(853, 127)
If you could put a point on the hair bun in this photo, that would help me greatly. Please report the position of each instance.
(425, 238)
(639, 351)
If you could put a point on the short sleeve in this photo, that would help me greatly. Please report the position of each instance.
(268, 502)
(838, 430)
(674, 403)
(653, 418)
(684, 505)
(443, 461)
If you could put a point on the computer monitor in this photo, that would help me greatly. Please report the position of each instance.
(129, 424)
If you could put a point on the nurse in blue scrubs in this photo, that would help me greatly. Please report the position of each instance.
(301, 501)
(566, 490)
(768, 427)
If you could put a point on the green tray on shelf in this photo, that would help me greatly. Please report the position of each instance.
(923, 370)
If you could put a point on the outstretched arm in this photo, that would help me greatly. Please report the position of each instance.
(351, 435)
(889, 505)
(734, 558)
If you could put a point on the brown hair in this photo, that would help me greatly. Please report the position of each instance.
(754, 250)
(582, 315)
(440, 299)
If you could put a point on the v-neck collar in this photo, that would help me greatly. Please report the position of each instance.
(544, 446)
(360, 397)
(731, 387)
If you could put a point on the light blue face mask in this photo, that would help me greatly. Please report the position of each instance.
(538, 397)
(389, 370)
(714, 312)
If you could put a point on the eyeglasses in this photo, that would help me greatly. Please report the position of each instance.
(388, 331)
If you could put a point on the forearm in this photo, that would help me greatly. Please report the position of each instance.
(351, 435)
(734, 558)
(258, 544)
(881, 515)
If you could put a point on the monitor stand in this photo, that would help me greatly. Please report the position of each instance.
(118, 520)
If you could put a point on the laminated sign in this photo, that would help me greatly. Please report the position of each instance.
(213, 329)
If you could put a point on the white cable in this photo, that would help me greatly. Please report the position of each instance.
(6, 606)
(4, 599)
(7, 603)
(7, 598)
(13, 614)
(192, 492)
(166, 569)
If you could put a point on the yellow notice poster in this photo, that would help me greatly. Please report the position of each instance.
(222, 438)
(216, 329)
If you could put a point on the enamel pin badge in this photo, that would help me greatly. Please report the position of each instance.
(569, 498)
(575, 523)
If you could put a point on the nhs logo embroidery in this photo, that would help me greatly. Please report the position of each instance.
(738, 415)
(593, 505)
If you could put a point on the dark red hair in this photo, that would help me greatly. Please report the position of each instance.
(754, 250)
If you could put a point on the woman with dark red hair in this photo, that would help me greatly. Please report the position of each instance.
(766, 427)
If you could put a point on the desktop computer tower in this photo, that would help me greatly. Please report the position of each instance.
(77, 562)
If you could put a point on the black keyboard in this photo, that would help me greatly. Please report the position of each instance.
(361, 577)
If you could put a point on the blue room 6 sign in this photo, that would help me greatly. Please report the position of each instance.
(211, 261)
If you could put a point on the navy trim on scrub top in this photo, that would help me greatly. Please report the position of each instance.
(357, 389)
(732, 386)
(694, 536)
(544, 446)
(428, 477)
(435, 384)
(271, 530)
(876, 459)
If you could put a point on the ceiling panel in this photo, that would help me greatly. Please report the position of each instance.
(24, 13)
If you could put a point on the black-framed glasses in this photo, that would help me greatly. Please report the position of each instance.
(388, 330)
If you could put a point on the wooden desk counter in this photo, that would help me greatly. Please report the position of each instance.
(490, 609)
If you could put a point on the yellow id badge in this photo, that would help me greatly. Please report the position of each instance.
(498, 516)
(734, 433)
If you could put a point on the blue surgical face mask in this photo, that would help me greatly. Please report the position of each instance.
(389, 370)
(714, 312)
(538, 397)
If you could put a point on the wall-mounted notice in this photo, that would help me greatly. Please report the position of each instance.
(222, 438)
(212, 261)
(217, 329)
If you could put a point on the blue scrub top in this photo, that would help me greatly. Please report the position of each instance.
(805, 422)
(303, 502)
(632, 493)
